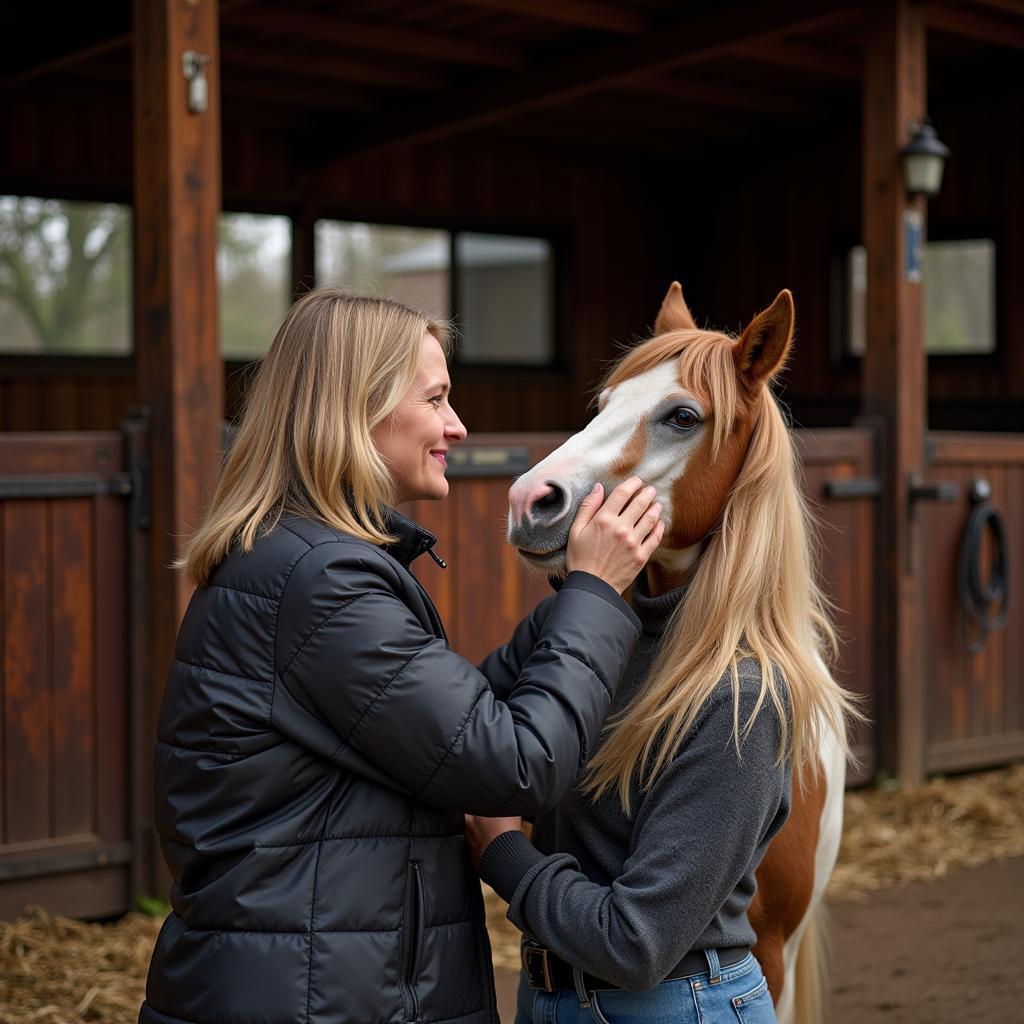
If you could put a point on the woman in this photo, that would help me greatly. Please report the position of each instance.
(318, 740)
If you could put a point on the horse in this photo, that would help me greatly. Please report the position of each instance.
(691, 412)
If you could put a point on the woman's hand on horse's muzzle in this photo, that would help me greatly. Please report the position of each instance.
(614, 540)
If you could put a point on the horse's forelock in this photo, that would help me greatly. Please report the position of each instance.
(705, 368)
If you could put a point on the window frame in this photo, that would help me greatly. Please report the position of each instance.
(944, 231)
(303, 218)
(557, 237)
(52, 364)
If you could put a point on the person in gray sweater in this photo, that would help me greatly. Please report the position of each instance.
(644, 915)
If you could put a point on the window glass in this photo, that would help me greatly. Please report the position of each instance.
(65, 277)
(960, 296)
(409, 264)
(255, 276)
(959, 284)
(504, 299)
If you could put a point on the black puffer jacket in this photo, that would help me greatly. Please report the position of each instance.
(317, 745)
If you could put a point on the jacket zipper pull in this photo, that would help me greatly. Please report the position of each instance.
(437, 558)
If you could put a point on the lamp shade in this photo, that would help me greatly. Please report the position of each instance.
(924, 159)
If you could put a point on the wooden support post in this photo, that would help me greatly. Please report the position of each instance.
(180, 373)
(894, 382)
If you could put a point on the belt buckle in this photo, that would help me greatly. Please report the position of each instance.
(536, 966)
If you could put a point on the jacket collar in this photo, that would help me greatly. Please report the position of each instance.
(411, 540)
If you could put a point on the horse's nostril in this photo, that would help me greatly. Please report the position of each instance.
(549, 501)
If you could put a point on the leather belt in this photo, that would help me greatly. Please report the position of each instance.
(548, 972)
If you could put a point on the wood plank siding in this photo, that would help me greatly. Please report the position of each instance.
(974, 701)
(64, 696)
(626, 221)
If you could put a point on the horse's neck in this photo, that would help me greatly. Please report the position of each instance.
(668, 570)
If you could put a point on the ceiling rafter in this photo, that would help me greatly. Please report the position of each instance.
(718, 94)
(594, 14)
(98, 48)
(986, 27)
(332, 67)
(378, 37)
(800, 56)
(1010, 6)
(687, 41)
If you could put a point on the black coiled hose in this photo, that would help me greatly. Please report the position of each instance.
(984, 604)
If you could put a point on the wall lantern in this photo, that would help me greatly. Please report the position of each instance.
(924, 159)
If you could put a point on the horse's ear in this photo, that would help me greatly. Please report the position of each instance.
(674, 314)
(764, 345)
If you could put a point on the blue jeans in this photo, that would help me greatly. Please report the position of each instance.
(732, 995)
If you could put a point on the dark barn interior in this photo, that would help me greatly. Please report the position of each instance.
(738, 147)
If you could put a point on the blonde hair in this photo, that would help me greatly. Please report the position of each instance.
(753, 595)
(338, 365)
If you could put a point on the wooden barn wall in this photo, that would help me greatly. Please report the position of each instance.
(603, 216)
(975, 701)
(779, 223)
(733, 227)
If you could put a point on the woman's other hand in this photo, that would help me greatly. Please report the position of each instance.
(614, 540)
(481, 832)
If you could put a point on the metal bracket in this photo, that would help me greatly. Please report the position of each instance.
(919, 489)
(85, 485)
(847, 488)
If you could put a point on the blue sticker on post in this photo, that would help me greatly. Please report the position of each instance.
(913, 245)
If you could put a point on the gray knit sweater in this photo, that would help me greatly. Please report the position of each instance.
(626, 898)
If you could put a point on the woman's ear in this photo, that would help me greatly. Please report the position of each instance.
(764, 345)
(674, 314)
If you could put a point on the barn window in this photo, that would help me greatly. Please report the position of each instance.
(254, 270)
(65, 277)
(959, 284)
(497, 289)
(403, 263)
(504, 297)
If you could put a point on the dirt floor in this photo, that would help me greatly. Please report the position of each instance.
(927, 920)
(939, 953)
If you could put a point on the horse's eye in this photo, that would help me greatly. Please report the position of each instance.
(684, 418)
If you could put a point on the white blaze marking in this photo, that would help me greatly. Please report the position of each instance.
(589, 455)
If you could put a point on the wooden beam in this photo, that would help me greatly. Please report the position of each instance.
(1010, 6)
(730, 97)
(894, 378)
(296, 94)
(331, 67)
(797, 56)
(378, 37)
(176, 176)
(100, 47)
(971, 23)
(690, 40)
(594, 14)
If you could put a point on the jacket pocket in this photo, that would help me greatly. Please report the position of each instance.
(412, 939)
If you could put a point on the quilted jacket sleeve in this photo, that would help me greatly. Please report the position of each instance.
(502, 666)
(350, 650)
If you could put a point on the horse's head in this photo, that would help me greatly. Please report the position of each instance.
(678, 411)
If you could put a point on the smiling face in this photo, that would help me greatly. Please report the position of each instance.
(414, 440)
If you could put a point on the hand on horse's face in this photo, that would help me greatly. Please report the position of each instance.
(615, 539)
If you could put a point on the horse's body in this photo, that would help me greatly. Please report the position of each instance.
(678, 439)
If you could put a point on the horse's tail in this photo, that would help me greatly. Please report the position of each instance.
(811, 975)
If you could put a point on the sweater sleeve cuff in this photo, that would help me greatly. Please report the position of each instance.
(579, 580)
(506, 861)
